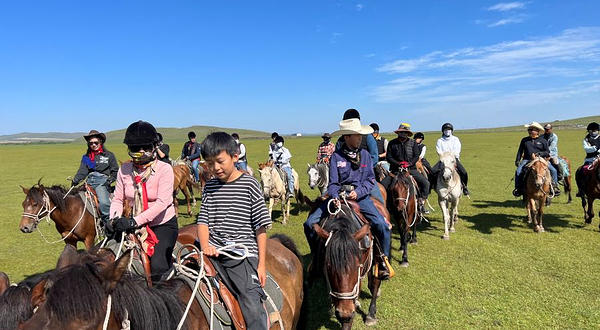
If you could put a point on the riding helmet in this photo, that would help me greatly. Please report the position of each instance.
(140, 133)
(447, 126)
(593, 127)
(419, 135)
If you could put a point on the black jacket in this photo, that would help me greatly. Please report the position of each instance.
(191, 152)
(105, 163)
(530, 146)
(397, 151)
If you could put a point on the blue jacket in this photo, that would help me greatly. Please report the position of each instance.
(341, 173)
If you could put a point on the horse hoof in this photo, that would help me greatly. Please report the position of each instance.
(452, 230)
(404, 264)
(370, 321)
(414, 242)
(378, 293)
(542, 229)
(446, 237)
(529, 221)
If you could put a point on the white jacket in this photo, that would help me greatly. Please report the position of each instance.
(448, 144)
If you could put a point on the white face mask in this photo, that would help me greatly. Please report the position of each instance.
(237, 141)
(279, 144)
(594, 134)
(448, 133)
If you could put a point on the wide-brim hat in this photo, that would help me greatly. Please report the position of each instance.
(326, 136)
(536, 125)
(95, 133)
(352, 126)
(404, 127)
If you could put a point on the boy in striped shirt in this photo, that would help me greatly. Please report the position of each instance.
(233, 211)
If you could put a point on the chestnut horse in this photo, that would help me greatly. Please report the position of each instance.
(184, 183)
(537, 190)
(403, 207)
(68, 212)
(591, 190)
(109, 293)
(348, 258)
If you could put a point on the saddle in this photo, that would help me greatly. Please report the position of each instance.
(590, 168)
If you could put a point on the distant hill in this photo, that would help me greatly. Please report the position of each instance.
(576, 123)
(51, 137)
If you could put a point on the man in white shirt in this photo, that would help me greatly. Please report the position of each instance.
(450, 143)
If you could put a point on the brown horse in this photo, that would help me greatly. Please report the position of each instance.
(68, 212)
(108, 293)
(537, 190)
(403, 207)
(184, 183)
(347, 246)
(591, 189)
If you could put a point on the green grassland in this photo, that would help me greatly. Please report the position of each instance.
(495, 272)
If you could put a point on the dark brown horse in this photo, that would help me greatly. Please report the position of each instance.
(68, 212)
(591, 189)
(537, 191)
(403, 207)
(348, 257)
(184, 183)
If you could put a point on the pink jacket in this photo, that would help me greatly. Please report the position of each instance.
(160, 194)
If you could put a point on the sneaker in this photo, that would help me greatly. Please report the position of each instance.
(291, 195)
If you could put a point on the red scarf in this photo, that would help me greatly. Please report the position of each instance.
(93, 153)
(151, 240)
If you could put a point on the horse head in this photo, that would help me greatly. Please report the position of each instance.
(380, 171)
(539, 171)
(401, 190)
(346, 261)
(448, 160)
(35, 208)
(315, 178)
(266, 179)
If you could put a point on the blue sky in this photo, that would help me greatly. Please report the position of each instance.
(295, 66)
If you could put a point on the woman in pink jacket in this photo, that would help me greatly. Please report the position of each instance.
(147, 184)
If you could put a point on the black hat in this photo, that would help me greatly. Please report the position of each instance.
(375, 127)
(235, 136)
(160, 137)
(191, 135)
(351, 114)
(140, 133)
(419, 135)
(274, 135)
(279, 139)
(326, 136)
(95, 133)
(593, 127)
(447, 126)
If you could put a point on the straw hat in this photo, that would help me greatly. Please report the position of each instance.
(535, 125)
(95, 133)
(352, 126)
(404, 127)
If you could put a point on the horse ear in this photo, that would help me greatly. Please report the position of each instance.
(25, 190)
(114, 272)
(322, 233)
(307, 164)
(68, 257)
(360, 234)
(38, 293)
(4, 282)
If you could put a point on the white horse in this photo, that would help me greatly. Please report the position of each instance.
(275, 189)
(318, 176)
(449, 190)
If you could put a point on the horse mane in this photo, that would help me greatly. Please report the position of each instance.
(55, 193)
(342, 247)
(78, 293)
(405, 179)
(535, 160)
(15, 306)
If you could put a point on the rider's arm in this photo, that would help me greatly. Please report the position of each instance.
(457, 147)
(545, 152)
(439, 146)
(164, 198)
(196, 153)
(114, 168)
(390, 154)
(423, 151)
(333, 189)
(588, 147)
(520, 151)
(261, 240)
(553, 146)
(368, 181)
(372, 146)
(183, 151)
(242, 151)
(82, 172)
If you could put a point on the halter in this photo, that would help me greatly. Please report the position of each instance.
(44, 211)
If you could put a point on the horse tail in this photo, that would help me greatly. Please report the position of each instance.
(288, 243)
(196, 185)
(300, 197)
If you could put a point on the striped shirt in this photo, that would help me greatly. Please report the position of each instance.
(233, 211)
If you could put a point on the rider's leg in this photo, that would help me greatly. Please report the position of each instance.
(309, 231)
(376, 193)
(464, 176)
(161, 260)
(195, 164)
(519, 178)
(290, 178)
(423, 188)
(554, 175)
(378, 225)
(103, 200)
(243, 166)
(580, 180)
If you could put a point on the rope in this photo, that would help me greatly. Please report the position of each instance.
(108, 309)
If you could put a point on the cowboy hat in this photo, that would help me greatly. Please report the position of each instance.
(352, 126)
(535, 125)
(95, 133)
(404, 127)
(326, 136)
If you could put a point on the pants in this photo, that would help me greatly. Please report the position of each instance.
(243, 277)
(290, 178)
(242, 166)
(161, 261)
(195, 164)
(378, 226)
(462, 172)
(519, 178)
(421, 182)
(376, 193)
(100, 185)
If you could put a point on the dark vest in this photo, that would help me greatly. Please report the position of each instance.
(363, 143)
(241, 159)
(593, 142)
(380, 147)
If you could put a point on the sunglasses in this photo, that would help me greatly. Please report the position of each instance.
(531, 129)
(94, 142)
(145, 147)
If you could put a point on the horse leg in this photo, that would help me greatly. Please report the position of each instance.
(89, 241)
(540, 214)
(374, 284)
(413, 237)
(533, 206)
(446, 216)
(187, 200)
(285, 209)
(404, 235)
(590, 209)
(191, 190)
(454, 216)
(567, 184)
(529, 211)
(584, 206)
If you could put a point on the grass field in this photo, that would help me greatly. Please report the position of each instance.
(495, 272)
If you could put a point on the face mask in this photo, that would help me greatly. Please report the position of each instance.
(447, 133)
(142, 157)
(279, 144)
(594, 134)
(237, 141)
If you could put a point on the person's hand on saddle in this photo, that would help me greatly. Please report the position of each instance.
(210, 251)
(404, 164)
(352, 195)
(123, 224)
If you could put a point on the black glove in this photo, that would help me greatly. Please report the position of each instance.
(109, 230)
(123, 224)
(73, 183)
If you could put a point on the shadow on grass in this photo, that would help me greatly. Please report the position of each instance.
(487, 222)
(516, 203)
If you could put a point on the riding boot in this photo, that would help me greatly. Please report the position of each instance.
(556, 189)
(518, 192)
(421, 203)
(465, 190)
(559, 172)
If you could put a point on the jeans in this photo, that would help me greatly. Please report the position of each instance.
(375, 192)
(195, 164)
(290, 178)
(378, 226)
(242, 166)
(99, 182)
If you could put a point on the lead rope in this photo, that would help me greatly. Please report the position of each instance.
(125, 324)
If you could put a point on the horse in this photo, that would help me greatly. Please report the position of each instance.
(537, 190)
(183, 182)
(449, 190)
(347, 247)
(275, 189)
(15, 303)
(68, 212)
(403, 207)
(566, 177)
(120, 300)
(591, 189)
(318, 176)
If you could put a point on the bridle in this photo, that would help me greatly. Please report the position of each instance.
(42, 213)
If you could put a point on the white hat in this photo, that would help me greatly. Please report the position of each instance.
(536, 125)
(352, 126)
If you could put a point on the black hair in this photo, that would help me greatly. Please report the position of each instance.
(375, 127)
(274, 135)
(279, 139)
(235, 135)
(217, 142)
(191, 135)
(351, 114)
(160, 138)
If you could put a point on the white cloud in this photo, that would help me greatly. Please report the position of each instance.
(334, 37)
(359, 7)
(507, 6)
(506, 21)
